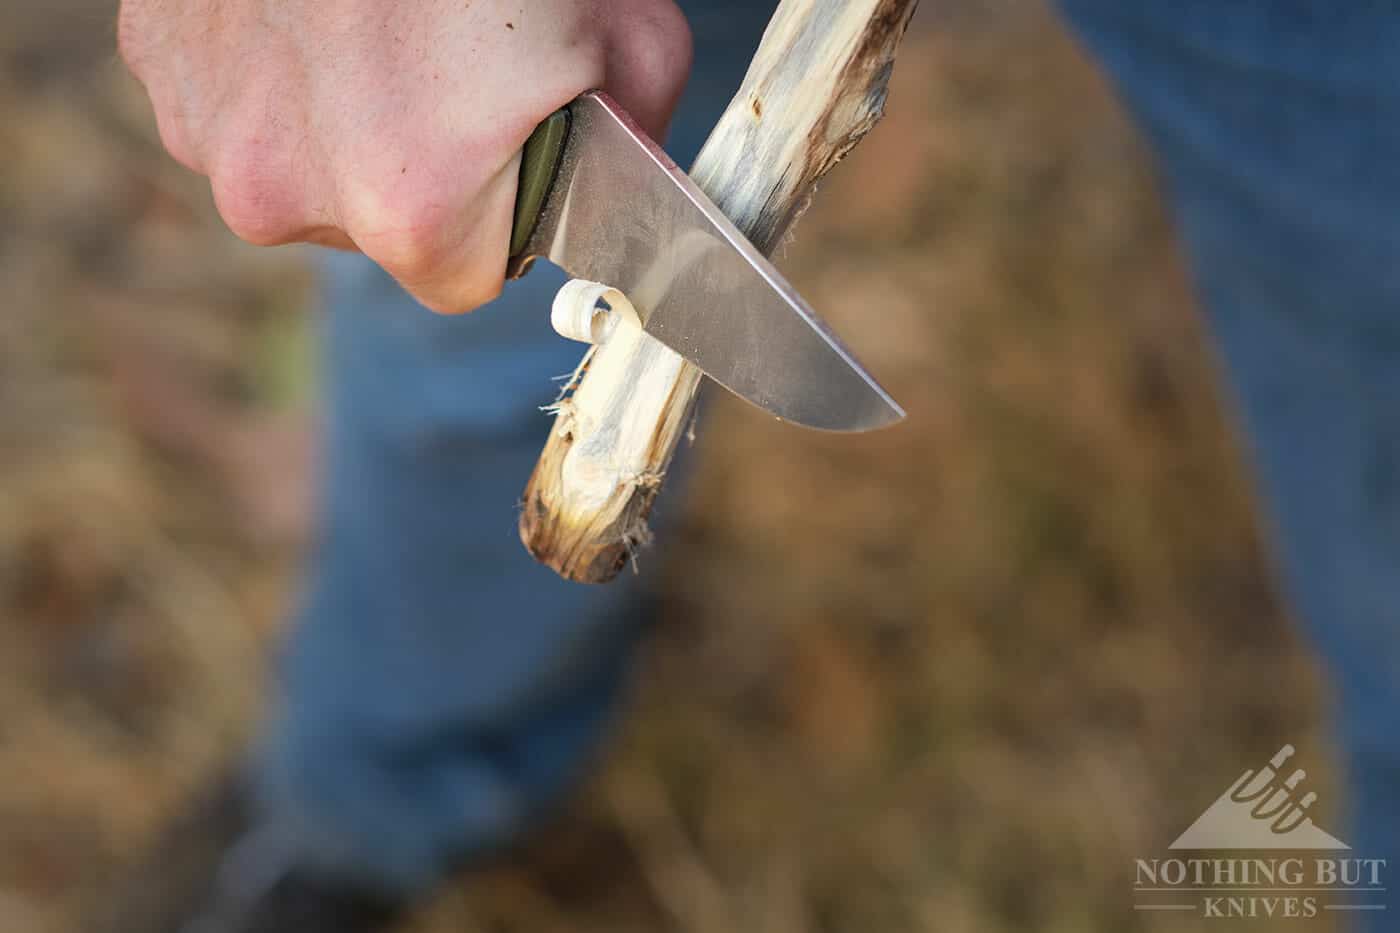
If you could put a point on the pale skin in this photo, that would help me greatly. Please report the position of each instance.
(392, 127)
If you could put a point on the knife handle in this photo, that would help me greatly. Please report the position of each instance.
(539, 163)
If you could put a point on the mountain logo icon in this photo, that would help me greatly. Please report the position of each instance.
(1261, 810)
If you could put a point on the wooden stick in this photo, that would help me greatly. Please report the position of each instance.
(816, 86)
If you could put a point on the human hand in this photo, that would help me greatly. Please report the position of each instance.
(393, 128)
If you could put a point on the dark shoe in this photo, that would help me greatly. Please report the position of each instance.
(219, 869)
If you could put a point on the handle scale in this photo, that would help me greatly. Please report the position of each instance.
(539, 163)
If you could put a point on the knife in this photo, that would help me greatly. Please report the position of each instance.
(600, 199)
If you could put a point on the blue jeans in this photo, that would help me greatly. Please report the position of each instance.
(440, 687)
(1277, 126)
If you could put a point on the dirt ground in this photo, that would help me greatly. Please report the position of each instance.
(954, 676)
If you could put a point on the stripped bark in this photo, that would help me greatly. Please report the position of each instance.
(816, 86)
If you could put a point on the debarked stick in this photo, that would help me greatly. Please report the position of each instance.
(816, 86)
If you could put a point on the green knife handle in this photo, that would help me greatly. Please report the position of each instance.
(539, 163)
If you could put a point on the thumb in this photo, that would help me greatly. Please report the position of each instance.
(648, 61)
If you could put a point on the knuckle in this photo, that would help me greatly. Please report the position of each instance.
(253, 194)
(662, 47)
(403, 227)
(421, 213)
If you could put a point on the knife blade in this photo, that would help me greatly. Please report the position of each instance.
(600, 199)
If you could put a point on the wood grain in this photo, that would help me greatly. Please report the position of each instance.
(816, 86)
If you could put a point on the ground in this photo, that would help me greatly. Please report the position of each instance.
(951, 676)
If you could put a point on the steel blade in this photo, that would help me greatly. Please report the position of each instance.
(622, 213)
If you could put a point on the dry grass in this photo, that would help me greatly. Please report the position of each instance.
(954, 676)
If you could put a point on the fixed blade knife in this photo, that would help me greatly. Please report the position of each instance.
(600, 199)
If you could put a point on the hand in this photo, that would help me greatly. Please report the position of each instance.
(389, 126)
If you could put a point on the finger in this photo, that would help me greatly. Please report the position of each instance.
(648, 61)
(267, 181)
(450, 257)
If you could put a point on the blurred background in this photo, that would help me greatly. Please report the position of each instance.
(953, 676)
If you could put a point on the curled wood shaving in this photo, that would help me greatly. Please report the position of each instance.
(590, 312)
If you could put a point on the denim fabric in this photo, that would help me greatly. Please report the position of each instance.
(1277, 126)
(439, 686)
